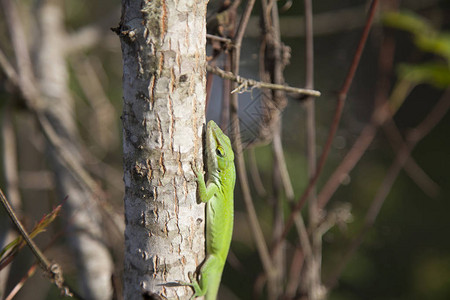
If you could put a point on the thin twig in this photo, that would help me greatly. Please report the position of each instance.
(341, 100)
(284, 173)
(279, 97)
(226, 88)
(310, 110)
(274, 288)
(21, 283)
(52, 270)
(413, 138)
(254, 172)
(414, 171)
(363, 141)
(294, 279)
(243, 25)
(313, 275)
(245, 83)
(381, 114)
(385, 62)
(239, 159)
(32, 270)
(218, 38)
(8, 68)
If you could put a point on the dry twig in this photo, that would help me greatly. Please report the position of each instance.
(245, 84)
(340, 105)
(413, 138)
(239, 159)
(53, 270)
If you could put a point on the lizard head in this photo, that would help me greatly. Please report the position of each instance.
(220, 156)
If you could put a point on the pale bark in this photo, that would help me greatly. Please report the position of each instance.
(163, 47)
(93, 260)
(11, 175)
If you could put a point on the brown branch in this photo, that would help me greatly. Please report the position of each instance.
(218, 38)
(363, 141)
(242, 25)
(53, 270)
(279, 97)
(275, 284)
(254, 172)
(314, 287)
(414, 171)
(245, 83)
(340, 105)
(379, 117)
(226, 88)
(413, 138)
(294, 278)
(282, 166)
(238, 150)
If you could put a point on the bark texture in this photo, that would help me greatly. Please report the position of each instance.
(163, 47)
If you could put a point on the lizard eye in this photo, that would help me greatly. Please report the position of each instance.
(219, 152)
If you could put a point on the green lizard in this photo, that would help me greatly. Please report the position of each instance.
(218, 195)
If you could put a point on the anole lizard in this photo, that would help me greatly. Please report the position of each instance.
(217, 192)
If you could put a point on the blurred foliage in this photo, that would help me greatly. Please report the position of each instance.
(433, 73)
(427, 39)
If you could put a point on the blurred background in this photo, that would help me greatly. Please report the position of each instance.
(404, 255)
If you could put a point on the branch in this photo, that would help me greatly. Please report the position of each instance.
(254, 173)
(218, 38)
(340, 105)
(412, 168)
(245, 83)
(8, 68)
(240, 164)
(53, 270)
(414, 137)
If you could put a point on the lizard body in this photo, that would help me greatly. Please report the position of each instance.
(217, 193)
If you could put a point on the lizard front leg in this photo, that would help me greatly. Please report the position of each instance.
(205, 191)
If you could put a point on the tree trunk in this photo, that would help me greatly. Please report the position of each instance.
(163, 47)
(11, 177)
(94, 263)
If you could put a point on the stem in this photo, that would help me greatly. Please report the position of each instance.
(238, 150)
(341, 100)
(52, 270)
(414, 137)
(245, 83)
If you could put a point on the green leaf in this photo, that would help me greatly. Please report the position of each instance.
(408, 21)
(436, 43)
(436, 74)
(426, 37)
